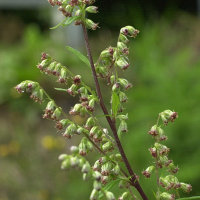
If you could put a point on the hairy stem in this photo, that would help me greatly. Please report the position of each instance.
(133, 178)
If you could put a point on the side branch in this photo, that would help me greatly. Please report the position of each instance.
(133, 178)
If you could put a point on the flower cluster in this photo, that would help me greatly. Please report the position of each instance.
(37, 93)
(68, 8)
(51, 67)
(160, 153)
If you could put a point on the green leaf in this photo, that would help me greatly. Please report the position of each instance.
(188, 198)
(115, 104)
(59, 24)
(108, 187)
(70, 20)
(80, 55)
(61, 89)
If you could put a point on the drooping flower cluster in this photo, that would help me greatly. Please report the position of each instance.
(69, 7)
(37, 93)
(51, 67)
(160, 153)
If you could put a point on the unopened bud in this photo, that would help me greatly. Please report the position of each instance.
(66, 164)
(94, 195)
(123, 39)
(62, 123)
(110, 196)
(96, 175)
(122, 97)
(63, 75)
(129, 31)
(147, 173)
(56, 114)
(124, 83)
(90, 24)
(186, 187)
(91, 9)
(74, 150)
(90, 123)
(86, 167)
(108, 146)
(97, 185)
(167, 196)
(168, 116)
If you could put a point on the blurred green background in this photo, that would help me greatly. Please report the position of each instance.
(164, 71)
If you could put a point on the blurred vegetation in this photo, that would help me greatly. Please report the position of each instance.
(165, 68)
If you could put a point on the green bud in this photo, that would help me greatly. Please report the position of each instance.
(44, 64)
(82, 130)
(116, 88)
(108, 146)
(90, 24)
(101, 71)
(168, 116)
(96, 175)
(78, 13)
(91, 9)
(72, 90)
(93, 131)
(74, 161)
(110, 196)
(122, 97)
(123, 117)
(86, 167)
(147, 173)
(86, 176)
(163, 161)
(96, 166)
(62, 123)
(186, 187)
(97, 185)
(123, 39)
(123, 126)
(76, 109)
(98, 136)
(167, 196)
(122, 48)
(63, 75)
(63, 157)
(90, 123)
(106, 168)
(172, 168)
(66, 164)
(74, 150)
(162, 149)
(125, 196)
(124, 83)
(69, 9)
(123, 63)
(94, 195)
(118, 157)
(116, 170)
(50, 69)
(70, 131)
(129, 31)
(56, 114)
(107, 52)
(83, 150)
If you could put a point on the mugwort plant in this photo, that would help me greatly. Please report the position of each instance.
(106, 172)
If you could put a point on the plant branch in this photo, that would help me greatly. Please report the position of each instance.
(133, 178)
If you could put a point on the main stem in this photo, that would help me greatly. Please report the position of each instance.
(133, 178)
